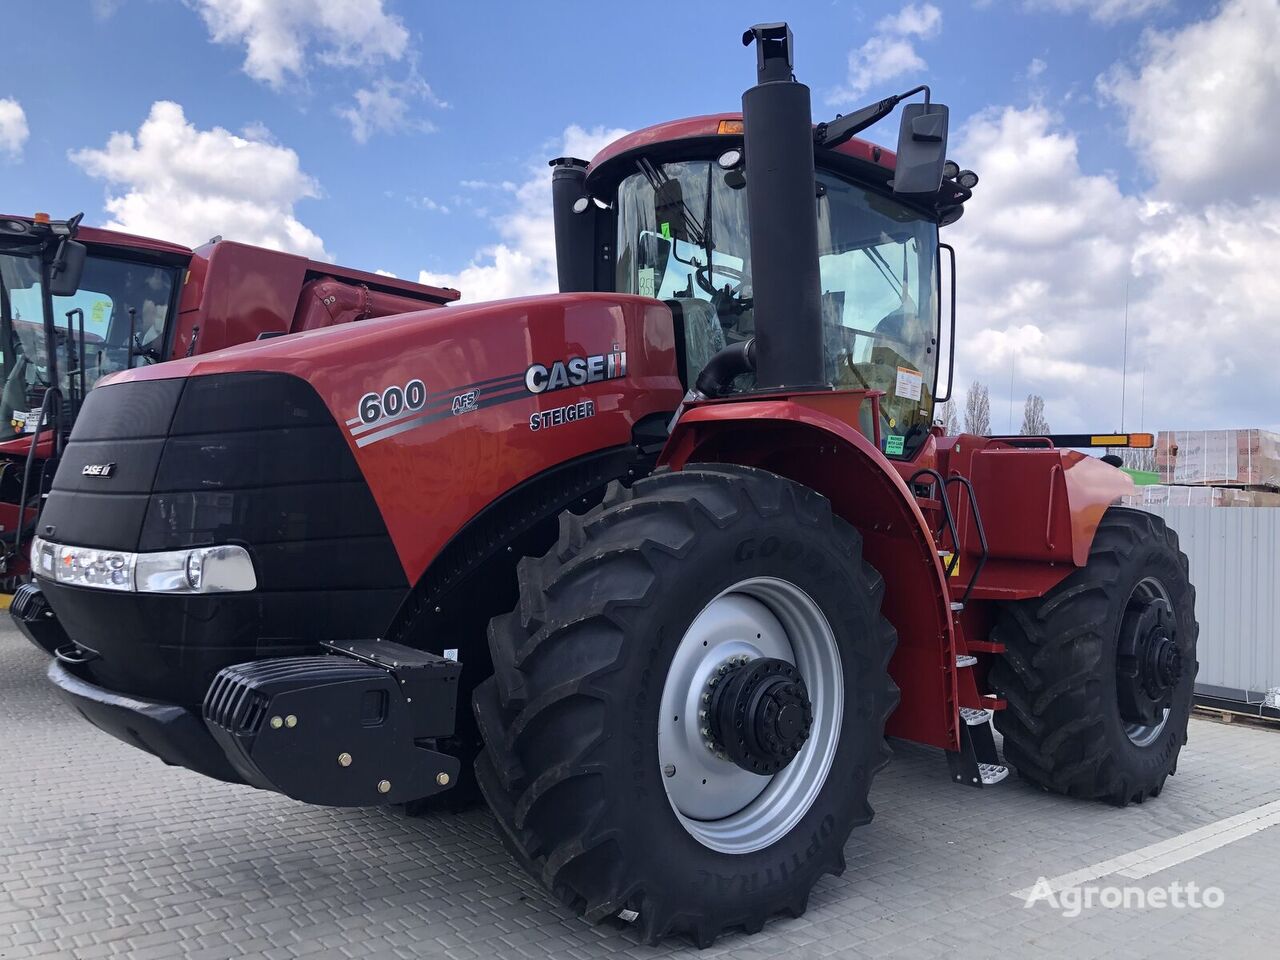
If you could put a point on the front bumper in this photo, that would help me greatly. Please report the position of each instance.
(176, 735)
(355, 727)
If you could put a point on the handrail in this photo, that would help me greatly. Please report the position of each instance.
(981, 531)
(941, 486)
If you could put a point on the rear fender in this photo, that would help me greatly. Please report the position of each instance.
(810, 439)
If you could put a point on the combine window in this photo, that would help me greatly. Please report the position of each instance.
(682, 238)
(119, 298)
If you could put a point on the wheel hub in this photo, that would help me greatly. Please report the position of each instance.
(1148, 662)
(759, 715)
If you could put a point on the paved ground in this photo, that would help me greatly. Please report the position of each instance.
(105, 852)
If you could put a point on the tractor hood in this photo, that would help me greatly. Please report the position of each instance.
(342, 460)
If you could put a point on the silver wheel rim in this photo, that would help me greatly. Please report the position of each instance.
(722, 806)
(1144, 734)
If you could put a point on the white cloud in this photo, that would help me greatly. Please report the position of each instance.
(1201, 106)
(1104, 11)
(384, 107)
(13, 128)
(890, 52)
(180, 183)
(523, 262)
(1043, 260)
(1048, 256)
(280, 35)
(1036, 68)
(104, 9)
(426, 203)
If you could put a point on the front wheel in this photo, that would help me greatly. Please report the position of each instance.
(688, 705)
(1099, 673)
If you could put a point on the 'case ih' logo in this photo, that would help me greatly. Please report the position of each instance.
(576, 372)
(101, 470)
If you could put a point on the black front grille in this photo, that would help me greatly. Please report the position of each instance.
(254, 459)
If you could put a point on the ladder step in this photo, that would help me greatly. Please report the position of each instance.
(964, 660)
(992, 773)
(974, 718)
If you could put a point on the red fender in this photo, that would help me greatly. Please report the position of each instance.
(811, 439)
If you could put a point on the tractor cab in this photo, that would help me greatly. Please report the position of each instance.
(682, 237)
(666, 213)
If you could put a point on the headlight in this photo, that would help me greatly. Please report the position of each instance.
(224, 569)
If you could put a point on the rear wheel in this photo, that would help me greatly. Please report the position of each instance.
(688, 705)
(1099, 673)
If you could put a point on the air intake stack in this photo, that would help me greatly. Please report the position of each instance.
(783, 211)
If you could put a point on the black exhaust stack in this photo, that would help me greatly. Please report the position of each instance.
(783, 210)
(575, 225)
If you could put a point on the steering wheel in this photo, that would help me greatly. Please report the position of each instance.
(703, 276)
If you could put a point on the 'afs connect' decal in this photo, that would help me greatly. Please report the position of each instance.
(396, 409)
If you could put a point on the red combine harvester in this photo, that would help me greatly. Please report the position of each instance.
(117, 301)
(683, 536)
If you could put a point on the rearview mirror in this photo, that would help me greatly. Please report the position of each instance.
(922, 148)
(67, 268)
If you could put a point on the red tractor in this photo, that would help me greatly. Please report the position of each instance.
(78, 303)
(683, 537)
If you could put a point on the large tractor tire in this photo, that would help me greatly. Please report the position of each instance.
(688, 704)
(1099, 672)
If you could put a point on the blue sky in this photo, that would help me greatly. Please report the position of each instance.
(514, 76)
(408, 137)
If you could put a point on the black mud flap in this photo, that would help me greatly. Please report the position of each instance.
(342, 730)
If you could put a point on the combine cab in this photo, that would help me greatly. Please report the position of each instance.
(656, 562)
(79, 303)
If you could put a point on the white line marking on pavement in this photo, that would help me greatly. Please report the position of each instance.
(1168, 853)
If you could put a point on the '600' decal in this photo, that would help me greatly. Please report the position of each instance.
(392, 402)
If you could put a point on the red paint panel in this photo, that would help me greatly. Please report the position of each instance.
(433, 477)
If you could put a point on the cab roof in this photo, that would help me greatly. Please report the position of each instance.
(692, 128)
(115, 238)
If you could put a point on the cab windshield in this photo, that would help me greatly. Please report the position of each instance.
(682, 238)
(119, 299)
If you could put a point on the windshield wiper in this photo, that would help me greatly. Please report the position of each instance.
(658, 178)
(886, 271)
(706, 221)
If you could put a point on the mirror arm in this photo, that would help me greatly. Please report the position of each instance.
(835, 132)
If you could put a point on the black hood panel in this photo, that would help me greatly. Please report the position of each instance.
(252, 459)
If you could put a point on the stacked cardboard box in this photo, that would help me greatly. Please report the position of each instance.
(1160, 495)
(1236, 458)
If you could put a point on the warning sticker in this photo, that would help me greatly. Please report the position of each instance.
(893, 445)
(909, 383)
